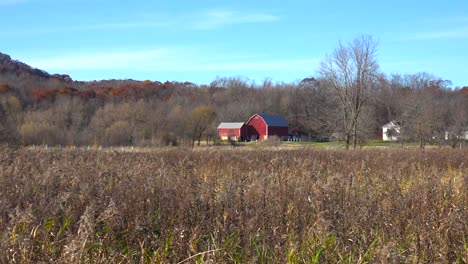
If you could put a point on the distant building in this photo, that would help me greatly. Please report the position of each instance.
(462, 136)
(258, 127)
(263, 126)
(391, 131)
(232, 130)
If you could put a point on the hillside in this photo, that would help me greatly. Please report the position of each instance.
(8, 66)
(32, 85)
(41, 108)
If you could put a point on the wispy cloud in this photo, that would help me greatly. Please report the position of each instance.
(197, 20)
(221, 17)
(171, 59)
(457, 33)
(121, 25)
(99, 60)
(90, 27)
(252, 65)
(447, 20)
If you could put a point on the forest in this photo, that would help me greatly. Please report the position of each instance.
(39, 108)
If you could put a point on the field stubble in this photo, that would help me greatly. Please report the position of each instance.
(234, 205)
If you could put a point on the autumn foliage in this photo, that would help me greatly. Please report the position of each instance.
(134, 90)
(42, 94)
(4, 87)
(464, 90)
(421, 101)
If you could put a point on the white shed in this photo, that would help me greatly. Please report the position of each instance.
(391, 131)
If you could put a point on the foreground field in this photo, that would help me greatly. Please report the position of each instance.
(237, 205)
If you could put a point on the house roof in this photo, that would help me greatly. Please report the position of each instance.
(230, 125)
(273, 120)
(392, 124)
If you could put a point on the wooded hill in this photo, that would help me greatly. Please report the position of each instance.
(41, 108)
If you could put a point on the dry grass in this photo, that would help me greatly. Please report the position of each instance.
(224, 206)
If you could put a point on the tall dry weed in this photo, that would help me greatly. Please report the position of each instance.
(237, 205)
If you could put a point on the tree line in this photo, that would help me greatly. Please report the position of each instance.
(348, 99)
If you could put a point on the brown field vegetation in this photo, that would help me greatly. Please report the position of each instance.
(234, 206)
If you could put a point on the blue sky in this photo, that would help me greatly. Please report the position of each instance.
(199, 40)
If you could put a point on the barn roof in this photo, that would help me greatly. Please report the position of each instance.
(273, 120)
(230, 125)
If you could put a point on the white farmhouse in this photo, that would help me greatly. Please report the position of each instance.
(391, 131)
(462, 136)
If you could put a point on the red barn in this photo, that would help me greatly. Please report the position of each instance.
(234, 131)
(261, 126)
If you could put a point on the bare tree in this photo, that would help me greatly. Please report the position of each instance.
(424, 113)
(399, 102)
(10, 109)
(352, 71)
(202, 117)
(311, 109)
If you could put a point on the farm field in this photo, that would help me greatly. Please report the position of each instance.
(234, 205)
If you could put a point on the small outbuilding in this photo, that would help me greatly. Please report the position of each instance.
(391, 131)
(232, 131)
(262, 126)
